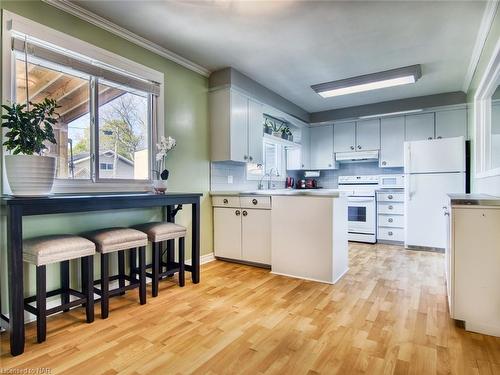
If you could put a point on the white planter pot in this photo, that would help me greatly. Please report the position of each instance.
(30, 175)
(160, 186)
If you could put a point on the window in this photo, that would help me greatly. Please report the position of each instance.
(111, 108)
(274, 157)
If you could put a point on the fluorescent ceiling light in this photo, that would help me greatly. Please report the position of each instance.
(374, 81)
(392, 113)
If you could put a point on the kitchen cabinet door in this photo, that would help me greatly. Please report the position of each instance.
(419, 127)
(368, 135)
(322, 147)
(256, 236)
(294, 158)
(451, 123)
(344, 137)
(255, 131)
(305, 148)
(392, 138)
(227, 232)
(239, 127)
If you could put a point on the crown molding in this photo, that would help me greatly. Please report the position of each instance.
(113, 28)
(482, 34)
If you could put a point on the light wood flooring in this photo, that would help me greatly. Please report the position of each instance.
(388, 315)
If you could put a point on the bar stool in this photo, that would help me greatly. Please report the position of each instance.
(118, 240)
(159, 232)
(44, 250)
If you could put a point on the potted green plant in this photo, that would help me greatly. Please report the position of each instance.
(286, 133)
(29, 126)
(276, 129)
(267, 127)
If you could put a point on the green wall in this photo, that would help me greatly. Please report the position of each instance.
(186, 119)
(489, 185)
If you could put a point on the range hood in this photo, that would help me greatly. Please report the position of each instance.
(355, 156)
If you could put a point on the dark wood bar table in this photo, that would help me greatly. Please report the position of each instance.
(16, 208)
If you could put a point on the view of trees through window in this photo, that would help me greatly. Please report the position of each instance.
(123, 132)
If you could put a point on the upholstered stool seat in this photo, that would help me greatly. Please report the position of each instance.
(159, 232)
(118, 240)
(44, 250)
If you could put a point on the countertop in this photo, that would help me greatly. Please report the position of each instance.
(474, 200)
(333, 193)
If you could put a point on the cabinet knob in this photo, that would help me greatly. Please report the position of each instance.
(245, 157)
(390, 207)
(359, 147)
(329, 165)
(384, 163)
(352, 147)
(237, 212)
(250, 158)
(429, 138)
(390, 233)
(390, 220)
(439, 137)
(254, 201)
(225, 201)
(245, 213)
(302, 165)
(390, 196)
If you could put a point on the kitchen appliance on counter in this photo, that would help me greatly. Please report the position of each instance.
(362, 215)
(307, 183)
(290, 183)
(433, 169)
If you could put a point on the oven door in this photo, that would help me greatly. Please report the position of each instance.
(361, 215)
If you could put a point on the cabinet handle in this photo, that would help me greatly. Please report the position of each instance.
(245, 213)
(352, 147)
(237, 212)
(384, 163)
(389, 233)
(389, 196)
(359, 147)
(254, 201)
(390, 220)
(225, 201)
(390, 207)
(429, 138)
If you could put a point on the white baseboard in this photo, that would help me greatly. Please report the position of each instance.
(207, 258)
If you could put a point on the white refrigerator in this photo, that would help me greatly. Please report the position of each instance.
(432, 169)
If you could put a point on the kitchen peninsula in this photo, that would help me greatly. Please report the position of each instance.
(298, 233)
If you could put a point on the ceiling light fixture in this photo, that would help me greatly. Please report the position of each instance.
(391, 113)
(367, 82)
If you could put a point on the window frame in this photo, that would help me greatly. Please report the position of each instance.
(14, 23)
(482, 117)
(281, 156)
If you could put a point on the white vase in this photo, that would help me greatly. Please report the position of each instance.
(30, 175)
(160, 186)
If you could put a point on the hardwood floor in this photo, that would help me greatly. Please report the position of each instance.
(387, 315)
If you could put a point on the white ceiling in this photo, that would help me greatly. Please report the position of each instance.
(288, 46)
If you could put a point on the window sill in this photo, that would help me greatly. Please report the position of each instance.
(87, 186)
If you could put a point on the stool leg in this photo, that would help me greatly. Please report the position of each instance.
(121, 270)
(142, 275)
(170, 254)
(182, 279)
(64, 266)
(156, 268)
(133, 263)
(88, 286)
(104, 286)
(41, 304)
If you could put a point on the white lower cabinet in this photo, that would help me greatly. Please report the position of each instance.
(241, 233)
(471, 266)
(390, 218)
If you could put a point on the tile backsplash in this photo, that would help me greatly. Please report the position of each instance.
(328, 178)
(223, 172)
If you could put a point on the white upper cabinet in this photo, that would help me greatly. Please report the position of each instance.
(420, 127)
(322, 147)
(305, 145)
(452, 123)
(368, 135)
(255, 131)
(344, 137)
(236, 123)
(392, 138)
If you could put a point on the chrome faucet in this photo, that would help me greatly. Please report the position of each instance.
(270, 174)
